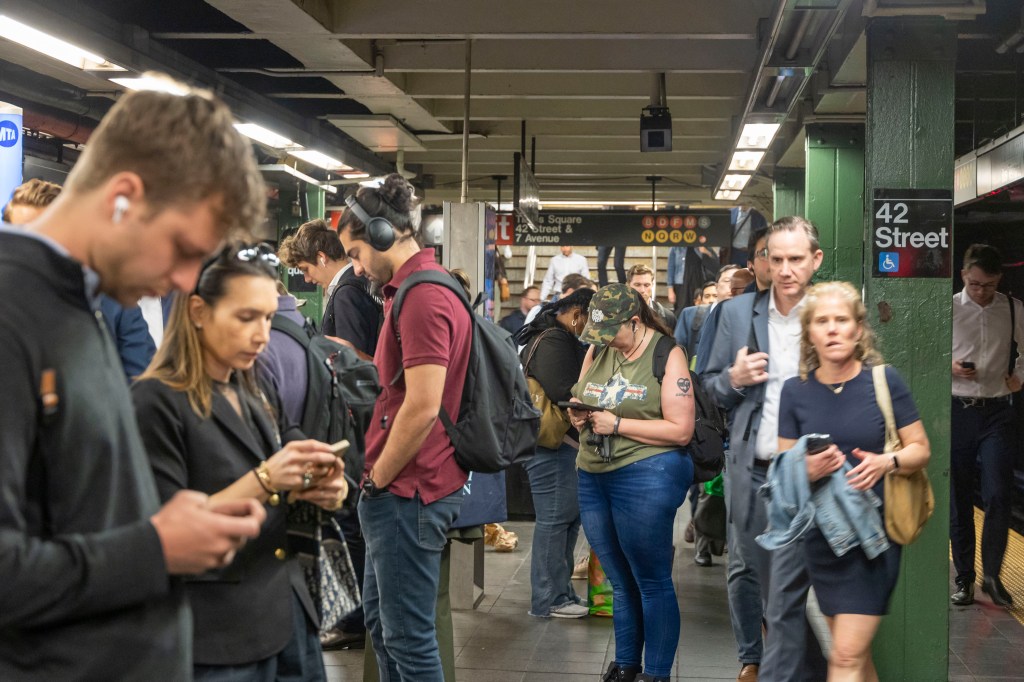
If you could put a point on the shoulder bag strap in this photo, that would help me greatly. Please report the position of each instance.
(533, 349)
(884, 398)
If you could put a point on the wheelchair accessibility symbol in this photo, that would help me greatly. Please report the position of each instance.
(888, 261)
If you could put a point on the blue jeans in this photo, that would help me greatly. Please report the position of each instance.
(628, 516)
(982, 451)
(404, 541)
(553, 485)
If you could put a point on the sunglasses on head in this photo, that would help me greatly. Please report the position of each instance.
(248, 253)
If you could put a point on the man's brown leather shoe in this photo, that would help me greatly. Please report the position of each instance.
(748, 673)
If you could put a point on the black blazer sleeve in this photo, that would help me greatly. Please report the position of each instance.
(355, 317)
(158, 410)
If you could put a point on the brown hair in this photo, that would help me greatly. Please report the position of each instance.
(575, 280)
(865, 351)
(36, 193)
(179, 362)
(647, 316)
(184, 148)
(394, 200)
(795, 223)
(985, 257)
(638, 269)
(312, 238)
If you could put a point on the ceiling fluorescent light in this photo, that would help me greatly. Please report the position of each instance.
(745, 161)
(355, 176)
(284, 168)
(266, 137)
(726, 195)
(153, 83)
(757, 135)
(735, 181)
(320, 160)
(51, 46)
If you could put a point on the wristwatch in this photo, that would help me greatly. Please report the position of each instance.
(370, 488)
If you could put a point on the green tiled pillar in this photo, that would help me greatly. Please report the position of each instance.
(788, 192)
(910, 115)
(835, 197)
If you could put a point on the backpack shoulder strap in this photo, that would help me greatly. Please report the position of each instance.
(427, 277)
(286, 326)
(659, 361)
(1013, 333)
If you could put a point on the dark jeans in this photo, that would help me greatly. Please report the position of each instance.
(553, 484)
(628, 516)
(602, 264)
(982, 452)
(404, 541)
(300, 661)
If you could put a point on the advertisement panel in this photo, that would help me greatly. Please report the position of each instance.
(11, 155)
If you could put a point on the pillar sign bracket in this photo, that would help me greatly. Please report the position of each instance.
(835, 135)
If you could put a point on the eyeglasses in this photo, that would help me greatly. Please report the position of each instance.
(248, 253)
(979, 285)
(763, 253)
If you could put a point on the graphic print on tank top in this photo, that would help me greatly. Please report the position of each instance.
(615, 392)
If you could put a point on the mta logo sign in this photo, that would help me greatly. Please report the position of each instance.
(9, 134)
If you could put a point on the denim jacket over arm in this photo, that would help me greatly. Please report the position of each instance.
(845, 516)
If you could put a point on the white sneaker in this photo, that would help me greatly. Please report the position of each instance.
(570, 610)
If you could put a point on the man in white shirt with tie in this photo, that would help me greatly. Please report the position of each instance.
(564, 264)
(986, 374)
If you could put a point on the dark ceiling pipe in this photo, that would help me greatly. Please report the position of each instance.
(67, 127)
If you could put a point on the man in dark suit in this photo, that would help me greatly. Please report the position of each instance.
(755, 349)
(515, 320)
(89, 553)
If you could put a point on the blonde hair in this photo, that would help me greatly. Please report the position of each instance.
(184, 148)
(865, 350)
(637, 270)
(35, 193)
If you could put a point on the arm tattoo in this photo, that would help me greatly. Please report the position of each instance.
(684, 387)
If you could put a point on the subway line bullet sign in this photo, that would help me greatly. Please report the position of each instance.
(911, 233)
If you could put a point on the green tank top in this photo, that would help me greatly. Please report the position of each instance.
(628, 390)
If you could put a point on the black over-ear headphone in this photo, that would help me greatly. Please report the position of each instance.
(380, 232)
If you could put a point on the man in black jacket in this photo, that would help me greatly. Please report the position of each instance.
(87, 554)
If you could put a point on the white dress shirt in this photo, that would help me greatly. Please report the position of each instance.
(334, 281)
(783, 364)
(560, 267)
(153, 314)
(982, 336)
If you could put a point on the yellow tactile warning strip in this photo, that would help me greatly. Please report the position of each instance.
(1013, 565)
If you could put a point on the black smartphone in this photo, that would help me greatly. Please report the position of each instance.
(967, 364)
(572, 404)
(818, 442)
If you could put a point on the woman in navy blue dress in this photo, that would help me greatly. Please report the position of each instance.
(835, 394)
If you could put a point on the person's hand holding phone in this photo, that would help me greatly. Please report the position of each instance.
(579, 413)
(823, 457)
(964, 369)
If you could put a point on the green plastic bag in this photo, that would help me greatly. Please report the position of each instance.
(599, 588)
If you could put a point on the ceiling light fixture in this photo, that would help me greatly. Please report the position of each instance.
(735, 181)
(727, 195)
(153, 83)
(266, 137)
(51, 46)
(320, 160)
(745, 161)
(355, 176)
(757, 135)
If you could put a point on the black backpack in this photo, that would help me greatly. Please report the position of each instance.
(340, 394)
(707, 446)
(497, 423)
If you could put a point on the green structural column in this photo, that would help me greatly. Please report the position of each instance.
(835, 197)
(788, 192)
(910, 99)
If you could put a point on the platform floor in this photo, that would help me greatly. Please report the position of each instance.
(499, 642)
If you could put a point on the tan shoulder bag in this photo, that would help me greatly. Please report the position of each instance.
(554, 422)
(909, 501)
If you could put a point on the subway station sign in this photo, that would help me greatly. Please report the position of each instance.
(710, 227)
(912, 233)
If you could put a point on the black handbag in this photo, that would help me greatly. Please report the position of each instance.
(319, 545)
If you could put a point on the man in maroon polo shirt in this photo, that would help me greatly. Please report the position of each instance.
(412, 486)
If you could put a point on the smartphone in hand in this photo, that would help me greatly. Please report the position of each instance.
(818, 442)
(340, 448)
(582, 407)
(967, 364)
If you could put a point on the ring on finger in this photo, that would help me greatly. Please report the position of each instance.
(307, 479)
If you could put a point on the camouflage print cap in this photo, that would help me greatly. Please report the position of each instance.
(611, 307)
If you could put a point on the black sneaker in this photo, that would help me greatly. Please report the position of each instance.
(964, 595)
(993, 587)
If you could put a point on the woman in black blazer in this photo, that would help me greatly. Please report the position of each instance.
(207, 426)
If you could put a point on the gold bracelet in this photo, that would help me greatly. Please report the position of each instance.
(263, 474)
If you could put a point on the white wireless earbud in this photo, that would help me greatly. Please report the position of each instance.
(121, 205)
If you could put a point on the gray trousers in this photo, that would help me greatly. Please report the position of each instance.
(768, 585)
